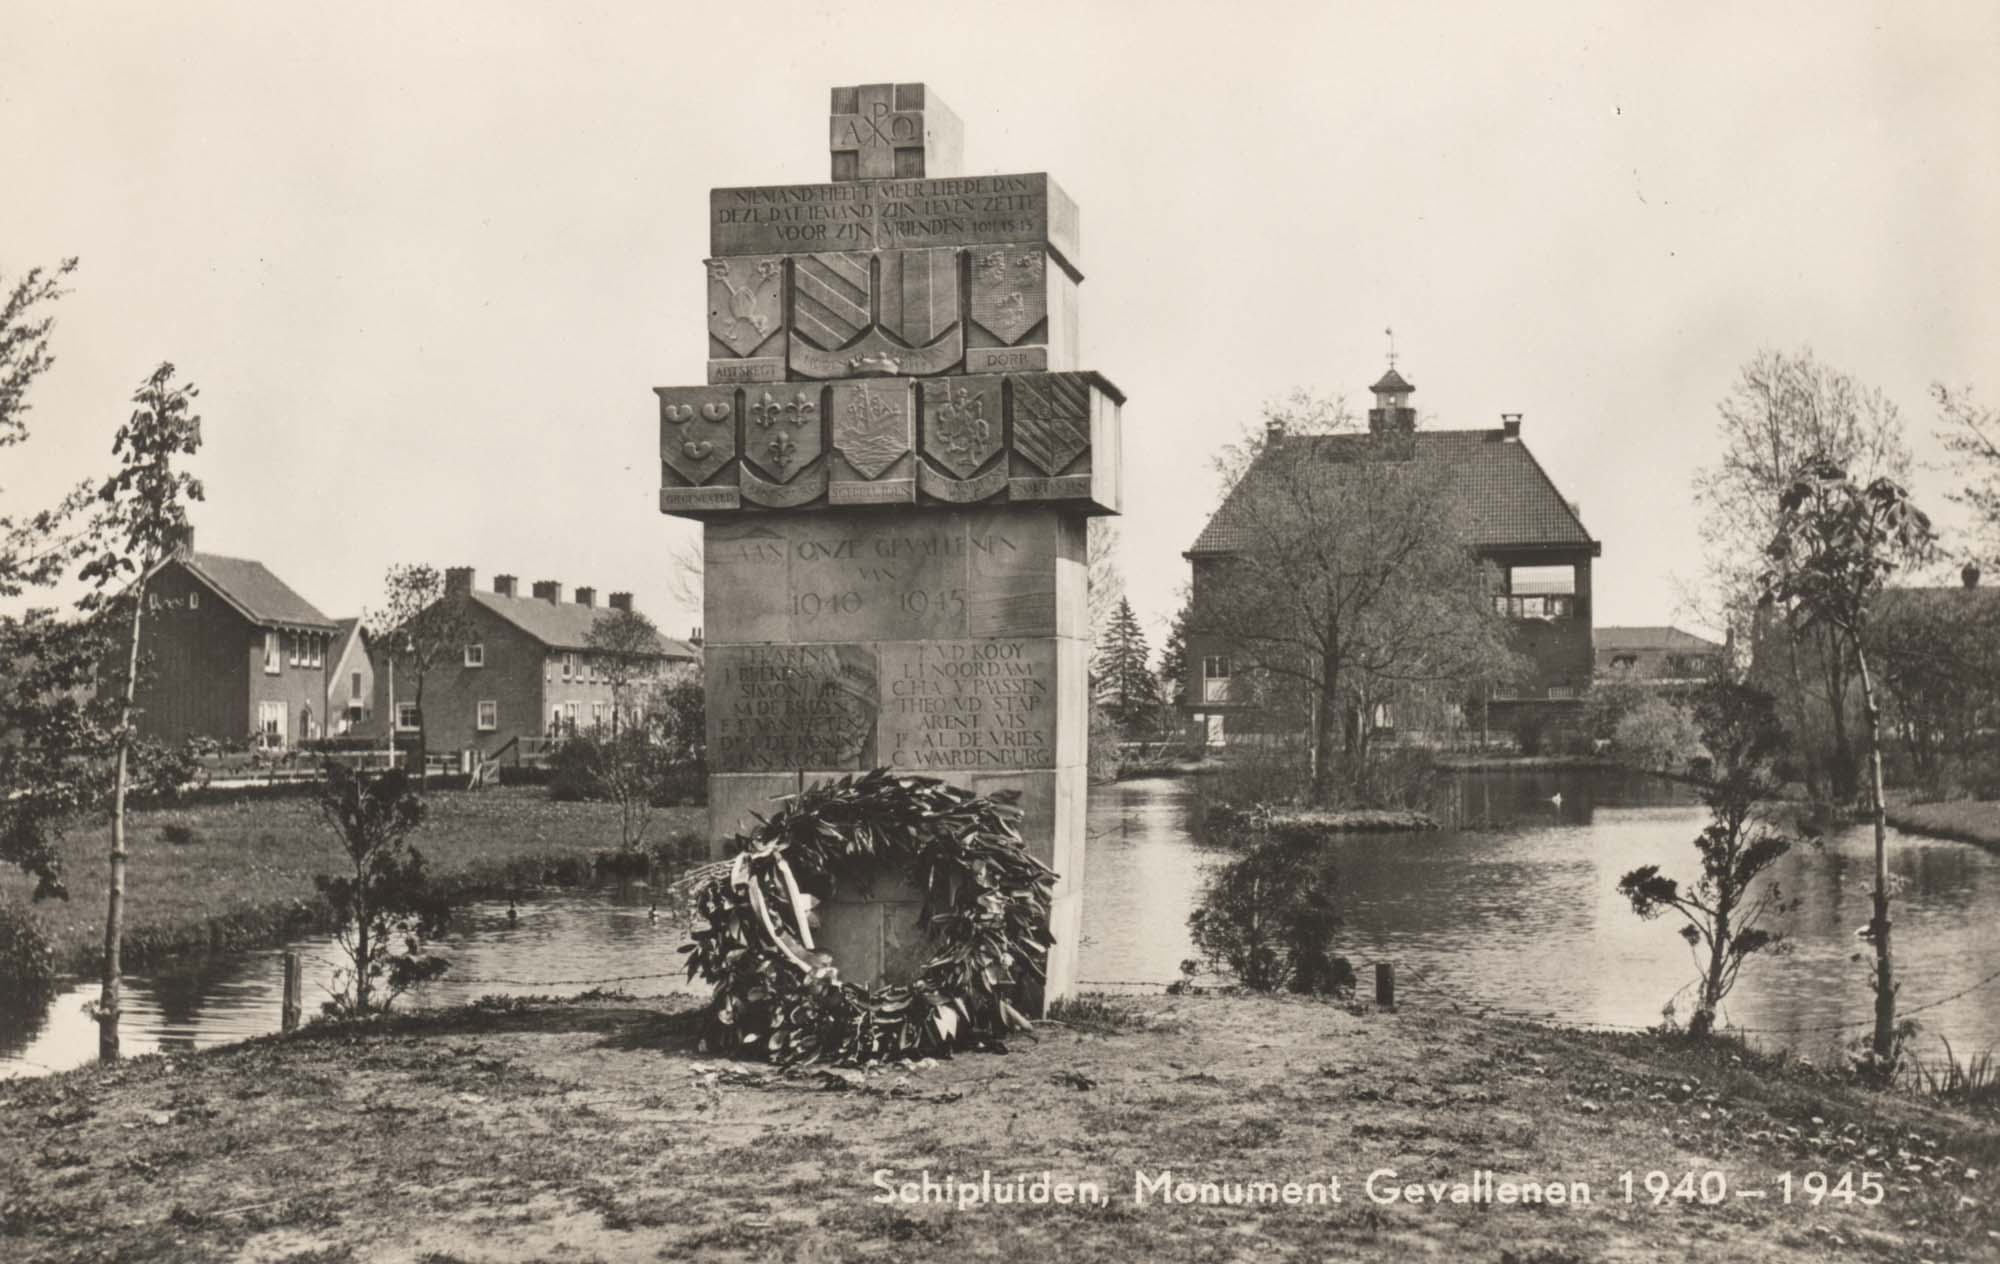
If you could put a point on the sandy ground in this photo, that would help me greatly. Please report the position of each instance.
(598, 1130)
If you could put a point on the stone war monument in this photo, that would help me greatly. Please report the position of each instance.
(893, 461)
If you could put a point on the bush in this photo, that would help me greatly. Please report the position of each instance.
(1658, 735)
(27, 963)
(387, 909)
(1268, 919)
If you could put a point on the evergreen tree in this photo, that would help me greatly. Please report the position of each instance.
(1125, 684)
(1173, 658)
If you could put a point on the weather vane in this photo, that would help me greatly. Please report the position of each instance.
(1391, 332)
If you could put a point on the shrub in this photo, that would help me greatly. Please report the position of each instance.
(1268, 919)
(1658, 735)
(27, 963)
(1531, 726)
(387, 909)
(179, 833)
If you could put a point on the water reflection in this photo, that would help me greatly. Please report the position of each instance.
(1514, 907)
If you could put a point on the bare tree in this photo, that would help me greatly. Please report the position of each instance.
(1972, 433)
(421, 626)
(626, 649)
(1355, 577)
(1786, 412)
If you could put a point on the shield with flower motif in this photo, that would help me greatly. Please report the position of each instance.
(781, 429)
(962, 428)
(697, 429)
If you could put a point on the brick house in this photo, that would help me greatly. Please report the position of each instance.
(231, 652)
(350, 679)
(1658, 658)
(1520, 522)
(526, 672)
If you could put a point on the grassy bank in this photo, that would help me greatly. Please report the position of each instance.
(241, 873)
(1967, 820)
(597, 1131)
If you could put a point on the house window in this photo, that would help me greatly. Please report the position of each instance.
(1562, 693)
(1215, 679)
(354, 686)
(569, 666)
(194, 600)
(597, 715)
(1215, 668)
(489, 716)
(555, 719)
(475, 656)
(272, 663)
(292, 648)
(271, 725)
(406, 716)
(315, 652)
(1624, 662)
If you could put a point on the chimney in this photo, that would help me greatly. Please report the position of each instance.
(548, 590)
(586, 596)
(1969, 576)
(1274, 429)
(457, 581)
(1510, 425)
(694, 636)
(622, 601)
(504, 585)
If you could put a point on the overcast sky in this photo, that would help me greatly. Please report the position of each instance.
(426, 261)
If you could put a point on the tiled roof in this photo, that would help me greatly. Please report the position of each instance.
(564, 626)
(1509, 497)
(262, 597)
(1390, 383)
(1652, 639)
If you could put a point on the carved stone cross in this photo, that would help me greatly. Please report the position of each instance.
(884, 131)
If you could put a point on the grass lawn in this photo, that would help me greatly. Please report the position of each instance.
(245, 873)
(1968, 820)
(596, 1130)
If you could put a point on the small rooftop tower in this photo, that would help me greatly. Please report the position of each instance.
(1392, 413)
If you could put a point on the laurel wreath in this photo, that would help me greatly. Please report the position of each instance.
(985, 909)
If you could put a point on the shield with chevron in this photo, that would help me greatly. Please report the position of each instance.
(883, 313)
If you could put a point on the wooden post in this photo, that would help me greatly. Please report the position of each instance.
(1385, 985)
(290, 1021)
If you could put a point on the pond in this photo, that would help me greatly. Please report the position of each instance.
(1519, 913)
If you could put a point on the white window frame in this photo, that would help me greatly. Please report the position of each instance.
(274, 658)
(597, 715)
(409, 709)
(194, 599)
(315, 651)
(569, 666)
(486, 715)
(475, 654)
(291, 647)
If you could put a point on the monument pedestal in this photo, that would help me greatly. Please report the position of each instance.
(894, 461)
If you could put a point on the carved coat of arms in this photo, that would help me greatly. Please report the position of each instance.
(1051, 418)
(872, 424)
(697, 429)
(1010, 290)
(962, 423)
(746, 301)
(781, 429)
(882, 313)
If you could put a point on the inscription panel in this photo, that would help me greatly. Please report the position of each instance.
(777, 708)
(857, 578)
(884, 214)
(968, 705)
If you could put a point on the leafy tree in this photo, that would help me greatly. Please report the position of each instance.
(1355, 578)
(1269, 917)
(1657, 734)
(387, 908)
(1940, 670)
(420, 628)
(141, 517)
(1125, 683)
(1836, 544)
(1743, 738)
(1787, 412)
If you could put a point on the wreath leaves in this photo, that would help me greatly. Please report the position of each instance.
(985, 907)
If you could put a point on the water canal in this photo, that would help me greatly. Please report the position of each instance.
(1519, 913)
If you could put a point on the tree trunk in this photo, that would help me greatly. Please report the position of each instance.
(114, 916)
(361, 948)
(1811, 768)
(1844, 772)
(423, 740)
(1885, 981)
(1322, 767)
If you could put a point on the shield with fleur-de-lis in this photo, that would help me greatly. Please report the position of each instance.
(697, 429)
(746, 302)
(781, 429)
(962, 426)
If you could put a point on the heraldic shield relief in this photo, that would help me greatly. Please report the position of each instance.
(1051, 418)
(781, 430)
(872, 424)
(697, 429)
(882, 314)
(746, 303)
(962, 424)
(1010, 290)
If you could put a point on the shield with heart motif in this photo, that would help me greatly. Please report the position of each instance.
(962, 427)
(697, 429)
(1051, 418)
(781, 429)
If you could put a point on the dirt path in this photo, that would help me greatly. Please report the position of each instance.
(597, 1131)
